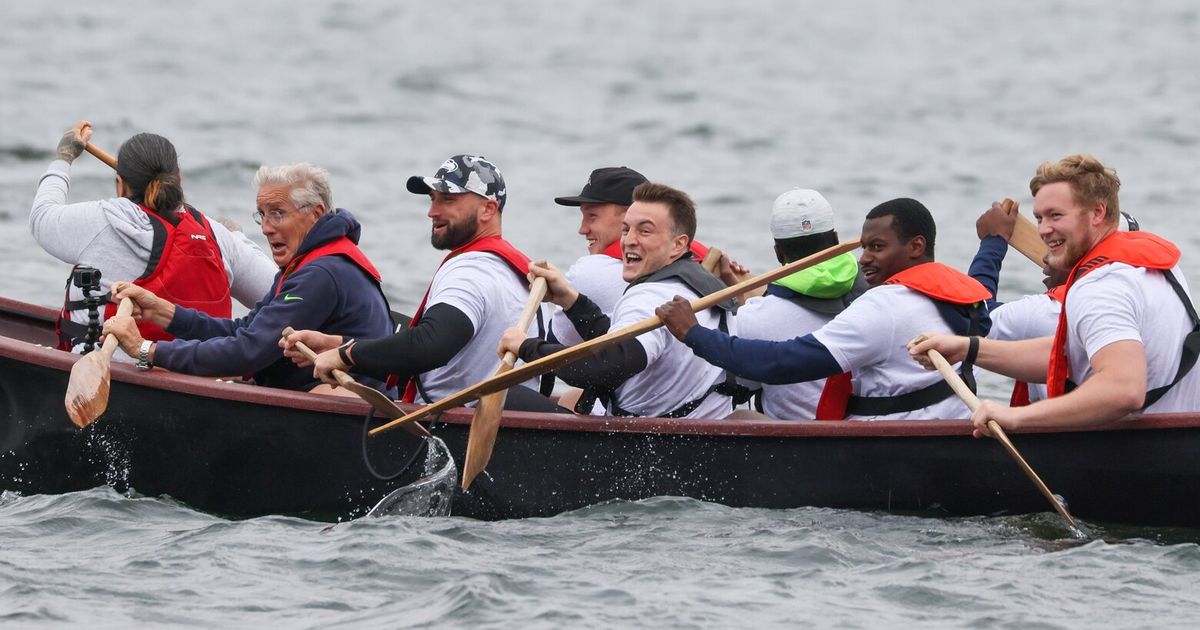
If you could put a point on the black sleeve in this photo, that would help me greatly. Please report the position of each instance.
(606, 369)
(440, 334)
(587, 318)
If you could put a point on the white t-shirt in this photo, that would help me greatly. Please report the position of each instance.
(1118, 302)
(869, 338)
(777, 319)
(674, 375)
(1030, 317)
(597, 276)
(489, 293)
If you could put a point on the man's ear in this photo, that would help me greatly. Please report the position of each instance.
(680, 245)
(916, 247)
(490, 211)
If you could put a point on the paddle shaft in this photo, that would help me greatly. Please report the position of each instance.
(341, 377)
(485, 422)
(972, 402)
(537, 291)
(101, 155)
(592, 346)
(373, 397)
(111, 342)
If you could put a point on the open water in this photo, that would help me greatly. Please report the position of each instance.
(953, 103)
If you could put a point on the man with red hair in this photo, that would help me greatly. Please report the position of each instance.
(1128, 334)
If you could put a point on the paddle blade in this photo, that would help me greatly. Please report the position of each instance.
(87, 391)
(485, 424)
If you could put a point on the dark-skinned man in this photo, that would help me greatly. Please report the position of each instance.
(910, 292)
(477, 291)
(652, 374)
(1128, 333)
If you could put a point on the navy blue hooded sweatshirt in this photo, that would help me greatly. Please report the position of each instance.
(330, 294)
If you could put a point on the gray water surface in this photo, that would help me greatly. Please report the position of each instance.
(952, 103)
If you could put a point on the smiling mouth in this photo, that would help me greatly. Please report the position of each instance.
(1055, 244)
(632, 259)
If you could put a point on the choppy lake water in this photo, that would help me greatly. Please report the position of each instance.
(951, 103)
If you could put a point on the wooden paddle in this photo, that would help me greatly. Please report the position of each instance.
(87, 390)
(1025, 237)
(592, 346)
(712, 261)
(374, 397)
(101, 155)
(486, 421)
(972, 401)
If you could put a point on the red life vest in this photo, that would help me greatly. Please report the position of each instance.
(1137, 249)
(1020, 393)
(185, 268)
(491, 244)
(614, 250)
(341, 246)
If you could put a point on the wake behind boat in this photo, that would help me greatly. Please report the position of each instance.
(241, 451)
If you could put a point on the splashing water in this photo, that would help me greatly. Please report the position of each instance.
(430, 495)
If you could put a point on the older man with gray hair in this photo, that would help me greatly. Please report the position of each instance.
(325, 283)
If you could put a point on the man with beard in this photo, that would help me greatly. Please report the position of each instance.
(652, 374)
(478, 290)
(1128, 333)
(910, 292)
(324, 282)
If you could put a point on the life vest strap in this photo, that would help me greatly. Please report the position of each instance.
(1191, 344)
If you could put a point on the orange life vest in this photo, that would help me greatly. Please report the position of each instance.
(1137, 249)
(940, 283)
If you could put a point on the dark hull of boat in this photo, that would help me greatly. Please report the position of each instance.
(241, 451)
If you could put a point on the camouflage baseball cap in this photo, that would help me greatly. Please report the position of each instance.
(463, 173)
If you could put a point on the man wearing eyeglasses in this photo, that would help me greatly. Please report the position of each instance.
(325, 283)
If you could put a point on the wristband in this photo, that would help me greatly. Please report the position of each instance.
(344, 353)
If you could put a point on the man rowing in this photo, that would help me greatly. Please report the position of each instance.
(1128, 333)
(794, 306)
(324, 282)
(477, 291)
(148, 232)
(652, 374)
(602, 204)
(910, 292)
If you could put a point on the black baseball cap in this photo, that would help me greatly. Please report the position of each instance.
(611, 184)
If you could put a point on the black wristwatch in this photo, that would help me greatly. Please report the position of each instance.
(344, 353)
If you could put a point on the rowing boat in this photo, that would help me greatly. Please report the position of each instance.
(239, 450)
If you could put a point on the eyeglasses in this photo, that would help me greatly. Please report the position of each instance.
(274, 217)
